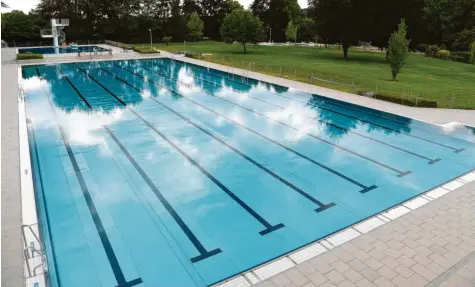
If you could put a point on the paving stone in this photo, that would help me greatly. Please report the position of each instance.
(352, 275)
(374, 263)
(387, 272)
(365, 283)
(306, 268)
(280, 280)
(357, 264)
(406, 261)
(296, 276)
(383, 282)
(424, 272)
(335, 277)
(417, 281)
(320, 265)
(403, 271)
(370, 274)
(346, 283)
(317, 278)
(390, 262)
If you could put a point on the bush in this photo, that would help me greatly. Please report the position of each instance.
(29, 55)
(443, 54)
(463, 57)
(402, 101)
(166, 40)
(432, 50)
(194, 55)
(443, 46)
(422, 47)
(145, 50)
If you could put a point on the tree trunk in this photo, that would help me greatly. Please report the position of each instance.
(244, 45)
(345, 50)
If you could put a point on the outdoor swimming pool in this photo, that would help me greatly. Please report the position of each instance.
(62, 50)
(156, 173)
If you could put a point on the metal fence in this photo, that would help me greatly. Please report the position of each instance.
(397, 95)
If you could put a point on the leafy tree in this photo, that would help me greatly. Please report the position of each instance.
(275, 15)
(291, 32)
(307, 30)
(195, 26)
(190, 6)
(242, 27)
(337, 22)
(398, 49)
(19, 26)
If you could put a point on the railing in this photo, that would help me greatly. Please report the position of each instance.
(49, 43)
(62, 22)
(46, 33)
(30, 251)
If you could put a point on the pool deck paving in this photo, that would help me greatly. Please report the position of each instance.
(433, 245)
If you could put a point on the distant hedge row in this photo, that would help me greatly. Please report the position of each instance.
(28, 56)
(441, 52)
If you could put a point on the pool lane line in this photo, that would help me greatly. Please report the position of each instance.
(399, 173)
(456, 150)
(106, 244)
(31, 134)
(204, 253)
(268, 227)
(430, 160)
(365, 188)
(321, 205)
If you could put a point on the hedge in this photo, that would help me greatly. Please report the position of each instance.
(145, 50)
(29, 55)
(402, 101)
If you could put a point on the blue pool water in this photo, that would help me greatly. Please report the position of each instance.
(156, 173)
(62, 50)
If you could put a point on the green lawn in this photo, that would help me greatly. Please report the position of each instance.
(422, 78)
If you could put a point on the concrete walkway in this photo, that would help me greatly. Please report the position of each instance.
(12, 247)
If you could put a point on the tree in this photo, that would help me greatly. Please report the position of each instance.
(398, 49)
(242, 27)
(291, 32)
(19, 26)
(195, 26)
(337, 21)
(275, 15)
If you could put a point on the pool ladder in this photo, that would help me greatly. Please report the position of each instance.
(33, 249)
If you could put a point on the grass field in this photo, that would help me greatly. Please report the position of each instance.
(422, 78)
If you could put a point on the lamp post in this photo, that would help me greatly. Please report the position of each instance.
(150, 31)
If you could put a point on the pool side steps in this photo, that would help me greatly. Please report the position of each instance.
(205, 255)
(271, 229)
(369, 188)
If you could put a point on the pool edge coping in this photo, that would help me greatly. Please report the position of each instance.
(29, 215)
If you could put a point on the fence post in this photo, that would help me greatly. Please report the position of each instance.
(266, 68)
(281, 71)
(311, 79)
(295, 74)
(452, 101)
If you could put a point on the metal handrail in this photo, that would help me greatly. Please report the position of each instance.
(40, 251)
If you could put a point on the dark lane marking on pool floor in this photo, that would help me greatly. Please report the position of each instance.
(456, 150)
(430, 160)
(191, 236)
(365, 187)
(321, 205)
(268, 227)
(400, 173)
(106, 244)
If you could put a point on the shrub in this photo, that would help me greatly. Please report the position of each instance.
(398, 49)
(29, 55)
(443, 46)
(443, 54)
(422, 47)
(406, 102)
(145, 50)
(471, 54)
(463, 57)
(194, 55)
(166, 40)
(432, 50)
